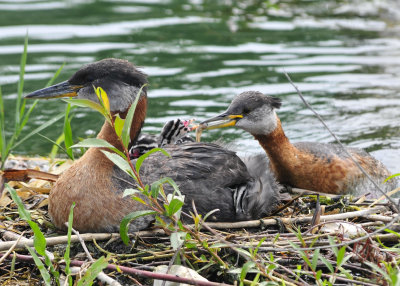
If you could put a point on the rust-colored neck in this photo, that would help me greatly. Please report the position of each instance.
(107, 132)
(274, 142)
(281, 152)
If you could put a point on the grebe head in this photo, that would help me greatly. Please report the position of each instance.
(119, 78)
(251, 111)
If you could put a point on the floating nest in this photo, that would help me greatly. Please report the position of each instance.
(311, 239)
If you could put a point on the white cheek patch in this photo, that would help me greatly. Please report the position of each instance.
(260, 122)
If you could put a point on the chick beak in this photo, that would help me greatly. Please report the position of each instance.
(220, 121)
(63, 89)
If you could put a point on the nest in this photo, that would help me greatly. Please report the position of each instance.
(310, 239)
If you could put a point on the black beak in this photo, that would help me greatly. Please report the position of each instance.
(63, 89)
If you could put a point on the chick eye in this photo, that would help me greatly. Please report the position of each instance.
(246, 111)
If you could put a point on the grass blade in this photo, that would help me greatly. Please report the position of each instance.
(2, 131)
(67, 250)
(68, 142)
(26, 116)
(19, 108)
(40, 128)
(43, 271)
(51, 81)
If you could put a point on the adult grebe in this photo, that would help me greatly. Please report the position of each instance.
(314, 166)
(209, 175)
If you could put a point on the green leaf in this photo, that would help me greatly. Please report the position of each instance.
(256, 280)
(138, 199)
(140, 160)
(318, 274)
(39, 241)
(314, 260)
(87, 103)
(97, 143)
(219, 245)
(93, 271)
(174, 206)
(332, 242)
(243, 252)
(68, 142)
(103, 99)
(155, 186)
(123, 228)
(340, 255)
(23, 213)
(391, 177)
(177, 239)
(246, 267)
(327, 264)
(130, 192)
(126, 130)
(258, 246)
(120, 162)
(118, 125)
(43, 271)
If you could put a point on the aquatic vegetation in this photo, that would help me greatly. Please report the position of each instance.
(21, 114)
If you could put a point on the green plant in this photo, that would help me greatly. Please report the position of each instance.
(22, 115)
(39, 241)
(159, 203)
(49, 274)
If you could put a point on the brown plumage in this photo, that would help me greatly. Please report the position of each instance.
(309, 165)
(209, 175)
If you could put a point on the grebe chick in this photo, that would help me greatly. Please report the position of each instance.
(211, 176)
(314, 166)
(173, 132)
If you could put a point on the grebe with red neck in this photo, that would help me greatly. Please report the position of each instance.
(314, 166)
(209, 175)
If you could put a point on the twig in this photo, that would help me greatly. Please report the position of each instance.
(50, 241)
(395, 207)
(11, 248)
(101, 276)
(128, 270)
(307, 219)
(340, 278)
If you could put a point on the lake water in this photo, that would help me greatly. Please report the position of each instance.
(343, 55)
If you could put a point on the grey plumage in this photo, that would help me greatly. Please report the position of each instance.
(212, 177)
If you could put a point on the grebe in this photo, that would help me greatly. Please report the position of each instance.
(209, 175)
(314, 166)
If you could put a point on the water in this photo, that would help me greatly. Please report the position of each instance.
(343, 55)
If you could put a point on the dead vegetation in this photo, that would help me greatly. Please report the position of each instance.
(313, 239)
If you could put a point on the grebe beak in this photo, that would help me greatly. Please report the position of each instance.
(220, 121)
(63, 89)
